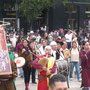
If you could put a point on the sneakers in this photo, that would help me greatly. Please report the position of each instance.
(80, 80)
(34, 82)
(71, 79)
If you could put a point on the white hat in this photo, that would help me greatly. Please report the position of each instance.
(53, 43)
(48, 47)
(31, 32)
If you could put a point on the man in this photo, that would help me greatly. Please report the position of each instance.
(53, 44)
(85, 64)
(58, 82)
(13, 39)
(45, 70)
(68, 37)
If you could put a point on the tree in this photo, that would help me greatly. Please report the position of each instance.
(31, 9)
(65, 1)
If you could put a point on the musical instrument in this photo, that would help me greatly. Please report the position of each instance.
(66, 53)
(43, 61)
(62, 67)
(20, 62)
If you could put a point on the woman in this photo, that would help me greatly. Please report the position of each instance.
(74, 61)
(42, 48)
(65, 51)
(25, 52)
(85, 64)
(32, 69)
(18, 51)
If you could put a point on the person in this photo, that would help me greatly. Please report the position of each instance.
(19, 44)
(12, 57)
(75, 61)
(45, 71)
(18, 51)
(42, 48)
(32, 69)
(68, 37)
(65, 51)
(58, 82)
(6, 81)
(85, 65)
(13, 39)
(62, 62)
(25, 53)
(53, 44)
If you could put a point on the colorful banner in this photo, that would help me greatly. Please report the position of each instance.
(5, 66)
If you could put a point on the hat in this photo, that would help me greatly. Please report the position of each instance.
(48, 47)
(31, 32)
(53, 43)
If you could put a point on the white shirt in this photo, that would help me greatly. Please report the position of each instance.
(54, 53)
(74, 55)
(68, 37)
(13, 40)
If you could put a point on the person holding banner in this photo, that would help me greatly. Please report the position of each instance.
(6, 81)
(8, 69)
(46, 66)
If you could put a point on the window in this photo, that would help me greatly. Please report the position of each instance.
(9, 6)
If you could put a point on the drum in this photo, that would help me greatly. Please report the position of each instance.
(62, 67)
(20, 62)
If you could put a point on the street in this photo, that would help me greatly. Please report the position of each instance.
(74, 84)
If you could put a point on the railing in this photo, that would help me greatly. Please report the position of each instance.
(4, 23)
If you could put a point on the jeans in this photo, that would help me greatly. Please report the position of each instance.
(69, 45)
(20, 72)
(76, 64)
(27, 72)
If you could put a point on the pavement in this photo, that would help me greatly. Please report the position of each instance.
(74, 84)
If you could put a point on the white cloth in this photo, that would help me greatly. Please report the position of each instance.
(74, 55)
(13, 40)
(61, 56)
(68, 37)
(38, 38)
(42, 50)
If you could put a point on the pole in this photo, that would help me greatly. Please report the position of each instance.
(70, 15)
(16, 15)
(78, 19)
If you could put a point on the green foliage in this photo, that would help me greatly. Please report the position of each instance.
(31, 9)
(65, 1)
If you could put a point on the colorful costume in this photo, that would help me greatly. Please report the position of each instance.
(43, 77)
(85, 64)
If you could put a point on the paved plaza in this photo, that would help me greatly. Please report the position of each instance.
(74, 84)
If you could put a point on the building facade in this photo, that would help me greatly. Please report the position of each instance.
(8, 13)
(75, 14)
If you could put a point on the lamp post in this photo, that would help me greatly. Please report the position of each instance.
(70, 14)
(78, 18)
(16, 15)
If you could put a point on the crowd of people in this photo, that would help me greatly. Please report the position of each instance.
(51, 53)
